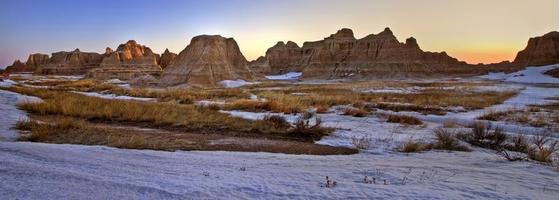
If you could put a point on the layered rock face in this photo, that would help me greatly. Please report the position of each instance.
(542, 50)
(34, 61)
(130, 60)
(341, 55)
(206, 61)
(71, 63)
(166, 58)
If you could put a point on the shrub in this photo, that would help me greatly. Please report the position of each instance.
(446, 140)
(356, 112)
(361, 142)
(404, 119)
(412, 146)
(450, 123)
(303, 128)
(544, 148)
(483, 135)
(321, 109)
(277, 121)
(519, 143)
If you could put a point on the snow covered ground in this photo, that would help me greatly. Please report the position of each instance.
(528, 75)
(50, 171)
(54, 171)
(9, 114)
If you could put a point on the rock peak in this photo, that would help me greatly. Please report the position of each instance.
(386, 31)
(412, 42)
(108, 50)
(343, 33)
(132, 42)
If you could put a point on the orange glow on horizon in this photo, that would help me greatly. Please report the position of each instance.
(485, 57)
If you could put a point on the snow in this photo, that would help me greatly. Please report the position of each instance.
(59, 171)
(115, 81)
(51, 171)
(113, 96)
(7, 83)
(528, 75)
(288, 76)
(234, 83)
(9, 114)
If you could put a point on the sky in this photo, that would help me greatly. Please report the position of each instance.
(471, 30)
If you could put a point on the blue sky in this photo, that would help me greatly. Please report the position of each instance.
(472, 30)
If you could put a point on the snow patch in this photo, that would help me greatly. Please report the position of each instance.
(288, 76)
(234, 83)
(7, 83)
(113, 96)
(528, 75)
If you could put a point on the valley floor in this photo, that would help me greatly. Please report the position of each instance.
(63, 171)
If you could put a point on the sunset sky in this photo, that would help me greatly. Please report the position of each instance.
(470, 30)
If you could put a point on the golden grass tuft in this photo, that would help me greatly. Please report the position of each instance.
(403, 119)
(356, 112)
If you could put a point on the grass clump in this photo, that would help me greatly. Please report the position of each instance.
(355, 112)
(412, 146)
(361, 143)
(277, 121)
(446, 140)
(404, 119)
(543, 149)
(483, 135)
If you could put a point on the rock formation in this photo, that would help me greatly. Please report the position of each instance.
(130, 60)
(34, 61)
(206, 61)
(341, 55)
(542, 50)
(70, 63)
(166, 58)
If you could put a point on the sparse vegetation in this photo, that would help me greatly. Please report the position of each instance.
(412, 146)
(483, 135)
(446, 140)
(403, 119)
(67, 130)
(361, 142)
(356, 112)
(543, 149)
(162, 115)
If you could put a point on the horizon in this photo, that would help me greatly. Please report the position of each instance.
(472, 31)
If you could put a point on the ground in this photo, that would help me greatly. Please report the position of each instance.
(63, 171)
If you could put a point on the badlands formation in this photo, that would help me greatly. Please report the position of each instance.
(208, 60)
(129, 61)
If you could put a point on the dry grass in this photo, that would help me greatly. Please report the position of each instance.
(533, 116)
(404, 119)
(446, 140)
(74, 131)
(485, 136)
(427, 102)
(407, 107)
(493, 115)
(543, 149)
(412, 146)
(361, 143)
(356, 112)
(184, 117)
